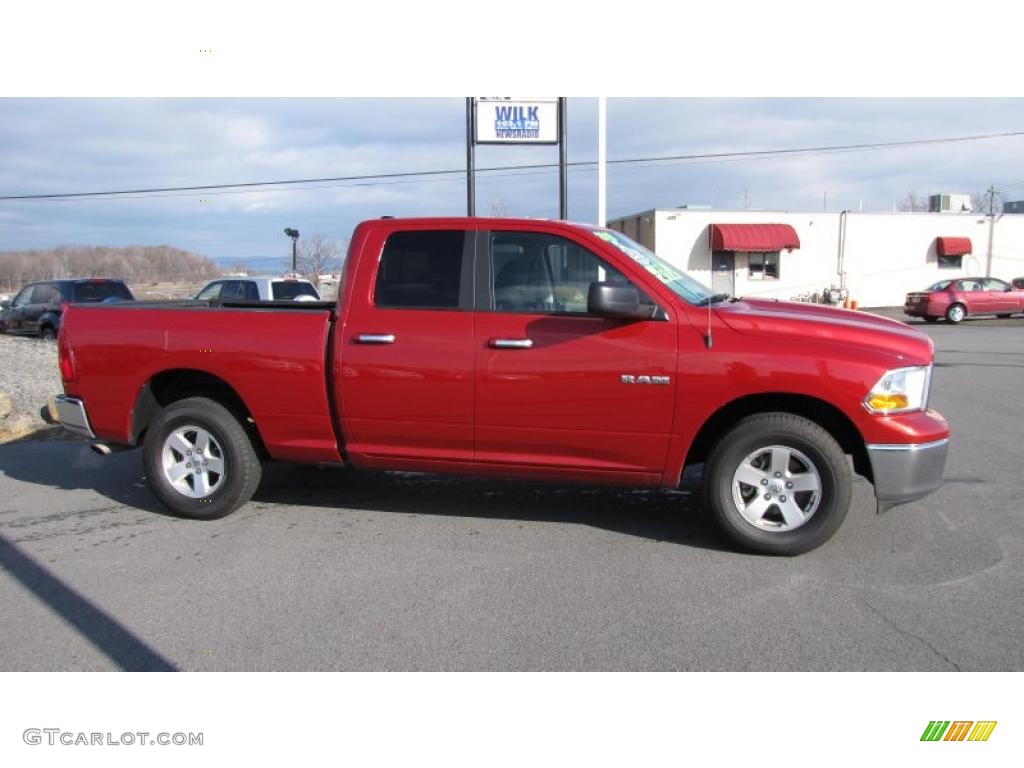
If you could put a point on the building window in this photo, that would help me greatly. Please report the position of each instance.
(763, 266)
(951, 262)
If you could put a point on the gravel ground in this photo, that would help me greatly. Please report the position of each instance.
(29, 374)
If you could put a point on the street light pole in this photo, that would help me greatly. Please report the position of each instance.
(294, 235)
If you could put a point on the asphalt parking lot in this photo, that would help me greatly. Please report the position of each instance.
(332, 570)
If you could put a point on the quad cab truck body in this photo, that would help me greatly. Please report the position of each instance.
(516, 348)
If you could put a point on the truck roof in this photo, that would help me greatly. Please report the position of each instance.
(479, 221)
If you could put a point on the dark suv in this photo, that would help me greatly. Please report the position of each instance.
(37, 308)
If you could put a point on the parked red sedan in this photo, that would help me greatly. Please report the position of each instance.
(956, 299)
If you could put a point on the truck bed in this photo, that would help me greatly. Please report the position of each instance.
(273, 354)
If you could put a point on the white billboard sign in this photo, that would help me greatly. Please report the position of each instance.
(515, 120)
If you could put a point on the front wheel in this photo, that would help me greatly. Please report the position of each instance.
(199, 460)
(778, 484)
(46, 333)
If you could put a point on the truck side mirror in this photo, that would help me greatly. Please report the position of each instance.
(612, 300)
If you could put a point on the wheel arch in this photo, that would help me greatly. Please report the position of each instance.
(822, 413)
(176, 384)
(49, 320)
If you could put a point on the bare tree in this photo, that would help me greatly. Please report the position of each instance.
(980, 202)
(133, 263)
(501, 207)
(913, 202)
(317, 254)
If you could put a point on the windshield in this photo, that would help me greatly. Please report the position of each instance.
(681, 284)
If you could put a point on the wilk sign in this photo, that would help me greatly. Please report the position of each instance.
(510, 120)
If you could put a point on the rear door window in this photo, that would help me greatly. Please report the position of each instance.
(422, 270)
(101, 290)
(288, 290)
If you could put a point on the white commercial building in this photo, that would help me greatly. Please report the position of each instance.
(876, 257)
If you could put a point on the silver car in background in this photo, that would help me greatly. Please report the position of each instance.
(259, 289)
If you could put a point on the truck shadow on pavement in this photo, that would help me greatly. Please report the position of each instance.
(659, 515)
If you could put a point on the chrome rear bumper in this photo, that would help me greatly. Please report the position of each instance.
(905, 473)
(72, 416)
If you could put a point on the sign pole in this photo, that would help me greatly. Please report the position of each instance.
(470, 160)
(563, 191)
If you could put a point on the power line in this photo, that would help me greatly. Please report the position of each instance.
(381, 177)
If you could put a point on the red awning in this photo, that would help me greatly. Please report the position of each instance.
(952, 246)
(753, 237)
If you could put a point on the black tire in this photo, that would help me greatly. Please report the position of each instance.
(930, 318)
(242, 467)
(955, 313)
(809, 443)
(46, 333)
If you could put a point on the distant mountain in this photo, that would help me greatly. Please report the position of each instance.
(253, 264)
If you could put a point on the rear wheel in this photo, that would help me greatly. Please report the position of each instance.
(956, 313)
(778, 484)
(199, 460)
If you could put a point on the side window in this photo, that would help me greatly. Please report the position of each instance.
(42, 294)
(23, 298)
(995, 284)
(232, 290)
(211, 291)
(536, 272)
(250, 291)
(420, 270)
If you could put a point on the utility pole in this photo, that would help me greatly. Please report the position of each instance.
(991, 227)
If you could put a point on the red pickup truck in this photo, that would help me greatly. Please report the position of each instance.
(516, 348)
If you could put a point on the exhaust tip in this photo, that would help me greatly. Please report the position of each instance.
(101, 449)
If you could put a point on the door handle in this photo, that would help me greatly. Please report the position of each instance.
(511, 343)
(375, 338)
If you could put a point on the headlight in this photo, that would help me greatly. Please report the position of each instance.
(901, 389)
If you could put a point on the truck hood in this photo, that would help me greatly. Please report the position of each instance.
(814, 321)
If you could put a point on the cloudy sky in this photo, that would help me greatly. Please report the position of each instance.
(81, 145)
